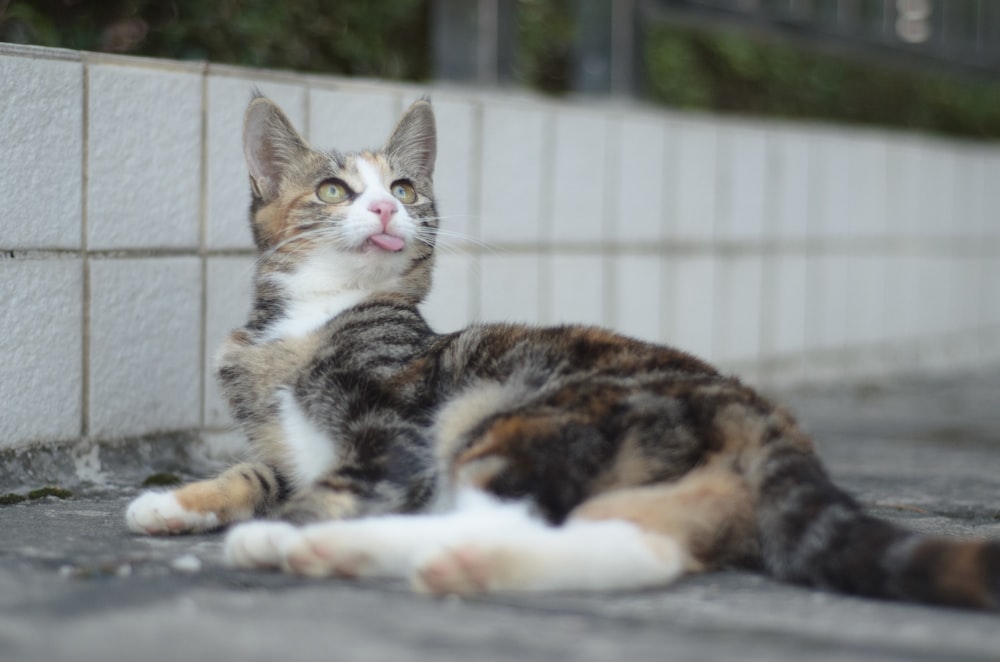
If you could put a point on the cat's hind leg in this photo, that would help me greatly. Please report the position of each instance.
(237, 494)
(579, 556)
(625, 538)
(708, 512)
(485, 545)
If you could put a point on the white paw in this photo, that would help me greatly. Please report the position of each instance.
(259, 544)
(464, 569)
(154, 513)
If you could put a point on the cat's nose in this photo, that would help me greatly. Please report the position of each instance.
(384, 208)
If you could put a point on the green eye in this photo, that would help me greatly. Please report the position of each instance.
(404, 192)
(333, 191)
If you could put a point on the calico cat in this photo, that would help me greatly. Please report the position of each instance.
(502, 457)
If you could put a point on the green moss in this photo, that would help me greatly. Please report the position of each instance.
(48, 491)
(11, 498)
(161, 479)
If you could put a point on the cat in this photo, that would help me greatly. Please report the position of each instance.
(503, 457)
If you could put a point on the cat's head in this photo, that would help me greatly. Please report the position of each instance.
(358, 220)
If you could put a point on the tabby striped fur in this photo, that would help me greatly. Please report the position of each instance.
(501, 457)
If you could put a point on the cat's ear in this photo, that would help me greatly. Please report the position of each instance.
(270, 145)
(413, 143)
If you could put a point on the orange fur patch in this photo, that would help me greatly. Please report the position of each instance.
(708, 512)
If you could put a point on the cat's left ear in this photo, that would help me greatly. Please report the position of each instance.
(270, 144)
(413, 143)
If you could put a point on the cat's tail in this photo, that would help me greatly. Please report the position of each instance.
(812, 532)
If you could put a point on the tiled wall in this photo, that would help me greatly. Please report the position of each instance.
(784, 252)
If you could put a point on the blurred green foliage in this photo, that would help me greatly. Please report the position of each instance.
(729, 71)
(387, 39)
(718, 70)
(546, 34)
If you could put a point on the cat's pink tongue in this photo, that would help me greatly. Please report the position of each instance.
(387, 242)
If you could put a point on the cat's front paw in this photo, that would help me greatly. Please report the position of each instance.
(259, 544)
(158, 513)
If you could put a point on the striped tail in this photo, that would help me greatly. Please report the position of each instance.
(812, 533)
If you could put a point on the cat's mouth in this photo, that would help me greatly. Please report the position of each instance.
(389, 243)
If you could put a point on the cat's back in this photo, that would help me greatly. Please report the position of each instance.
(496, 350)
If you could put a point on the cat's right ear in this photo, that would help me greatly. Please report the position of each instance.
(270, 145)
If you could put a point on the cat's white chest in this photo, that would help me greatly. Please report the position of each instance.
(319, 290)
(308, 314)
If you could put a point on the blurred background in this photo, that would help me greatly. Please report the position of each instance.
(931, 65)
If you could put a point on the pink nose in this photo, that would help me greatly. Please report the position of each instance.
(384, 208)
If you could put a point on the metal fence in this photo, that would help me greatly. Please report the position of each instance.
(475, 41)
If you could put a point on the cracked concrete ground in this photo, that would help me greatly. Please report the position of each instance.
(76, 585)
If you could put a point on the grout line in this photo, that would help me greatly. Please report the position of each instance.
(475, 183)
(722, 293)
(86, 285)
(814, 209)
(546, 240)
(941, 247)
(769, 268)
(609, 273)
(668, 226)
(202, 248)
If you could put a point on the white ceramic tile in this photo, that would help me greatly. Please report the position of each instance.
(939, 182)
(866, 303)
(827, 302)
(738, 303)
(967, 290)
(990, 299)
(789, 184)
(963, 291)
(42, 146)
(640, 296)
(991, 224)
(902, 297)
(449, 307)
(228, 297)
(742, 182)
(693, 316)
(867, 169)
(576, 295)
(42, 341)
(833, 203)
(579, 178)
(144, 158)
(935, 292)
(643, 192)
(510, 288)
(455, 171)
(970, 194)
(145, 337)
(787, 310)
(228, 191)
(349, 118)
(911, 186)
(697, 179)
(513, 175)
(946, 320)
